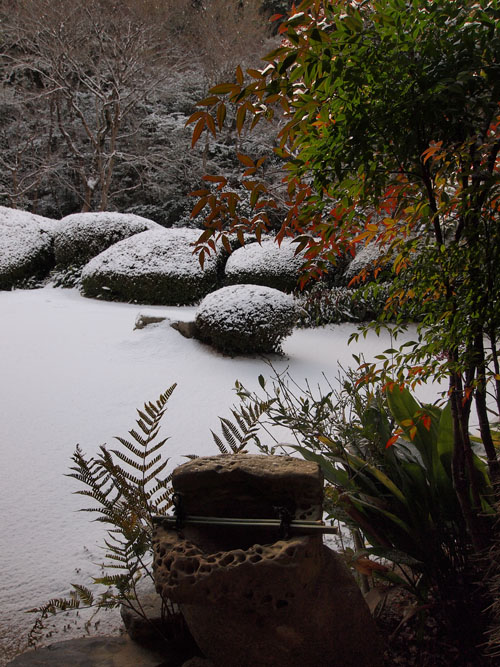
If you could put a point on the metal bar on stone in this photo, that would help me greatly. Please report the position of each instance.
(300, 526)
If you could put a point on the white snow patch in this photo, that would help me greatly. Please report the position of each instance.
(74, 371)
(240, 307)
(23, 236)
(267, 257)
(90, 233)
(166, 251)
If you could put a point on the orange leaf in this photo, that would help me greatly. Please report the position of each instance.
(221, 115)
(240, 118)
(368, 567)
(199, 206)
(197, 131)
(244, 159)
(391, 441)
(194, 117)
(210, 124)
(239, 75)
(426, 421)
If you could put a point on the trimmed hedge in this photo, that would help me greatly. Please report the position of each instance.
(25, 247)
(154, 267)
(81, 236)
(240, 319)
(265, 264)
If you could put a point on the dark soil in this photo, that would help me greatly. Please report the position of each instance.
(424, 640)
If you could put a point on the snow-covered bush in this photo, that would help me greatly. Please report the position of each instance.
(25, 246)
(246, 318)
(267, 264)
(81, 236)
(154, 267)
(324, 305)
(366, 260)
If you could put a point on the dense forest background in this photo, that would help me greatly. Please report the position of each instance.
(95, 97)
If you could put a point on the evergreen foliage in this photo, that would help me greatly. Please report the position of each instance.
(128, 486)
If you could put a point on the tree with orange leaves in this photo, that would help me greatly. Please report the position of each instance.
(389, 133)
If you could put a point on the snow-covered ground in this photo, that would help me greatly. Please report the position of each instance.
(74, 370)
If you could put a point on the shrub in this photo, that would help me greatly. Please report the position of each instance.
(323, 305)
(82, 236)
(266, 264)
(26, 247)
(246, 318)
(367, 260)
(154, 267)
(389, 462)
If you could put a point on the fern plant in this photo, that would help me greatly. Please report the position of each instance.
(128, 486)
(237, 434)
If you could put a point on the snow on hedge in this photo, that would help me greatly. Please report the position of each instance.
(246, 318)
(25, 246)
(266, 264)
(154, 267)
(81, 236)
(366, 259)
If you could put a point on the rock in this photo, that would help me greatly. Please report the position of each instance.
(187, 329)
(94, 652)
(155, 624)
(247, 485)
(198, 662)
(25, 247)
(144, 320)
(248, 596)
(154, 267)
(265, 263)
(241, 319)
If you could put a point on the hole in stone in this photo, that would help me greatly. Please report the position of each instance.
(227, 560)
(281, 603)
(255, 558)
(189, 567)
(291, 551)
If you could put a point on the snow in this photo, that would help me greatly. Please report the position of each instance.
(267, 258)
(238, 307)
(24, 237)
(74, 370)
(160, 251)
(80, 236)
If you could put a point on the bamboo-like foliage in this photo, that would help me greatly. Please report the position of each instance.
(128, 486)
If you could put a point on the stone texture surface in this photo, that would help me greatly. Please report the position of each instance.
(187, 329)
(250, 486)
(198, 662)
(156, 623)
(250, 598)
(94, 652)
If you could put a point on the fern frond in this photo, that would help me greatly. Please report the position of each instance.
(145, 418)
(131, 447)
(220, 445)
(83, 594)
